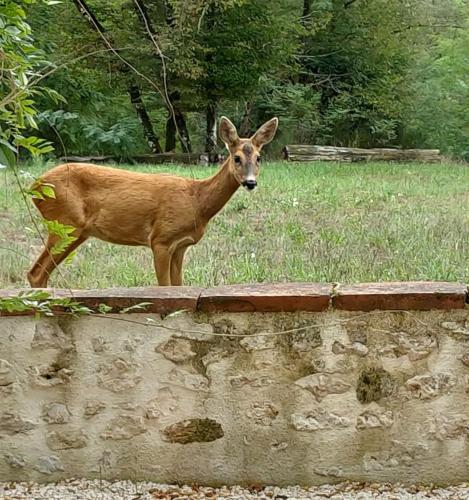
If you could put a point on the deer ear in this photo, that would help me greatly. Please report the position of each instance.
(228, 132)
(265, 133)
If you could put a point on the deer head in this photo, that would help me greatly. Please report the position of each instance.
(245, 154)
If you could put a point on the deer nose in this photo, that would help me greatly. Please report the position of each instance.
(250, 184)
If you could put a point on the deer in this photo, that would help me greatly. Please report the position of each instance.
(164, 212)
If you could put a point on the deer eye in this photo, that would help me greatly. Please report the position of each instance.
(237, 159)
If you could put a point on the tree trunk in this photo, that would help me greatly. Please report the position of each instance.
(182, 131)
(139, 106)
(211, 134)
(210, 96)
(87, 13)
(170, 142)
(179, 127)
(306, 11)
(176, 126)
(245, 126)
(132, 88)
(169, 14)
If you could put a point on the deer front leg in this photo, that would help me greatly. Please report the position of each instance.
(39, 274)
(162, 258)
(176, 266)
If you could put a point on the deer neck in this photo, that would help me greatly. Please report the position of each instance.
(215, 191)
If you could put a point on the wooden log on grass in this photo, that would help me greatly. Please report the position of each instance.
(152, 159)
(155, 159)
(301, 152)
(86, 159)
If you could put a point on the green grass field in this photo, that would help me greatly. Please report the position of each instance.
(305, 222)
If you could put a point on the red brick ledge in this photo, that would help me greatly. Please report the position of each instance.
(161, 300)
(287, 297)
(406, 295)
(282, 297)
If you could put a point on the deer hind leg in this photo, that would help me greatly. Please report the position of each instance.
(39, 274)
(176, 266)
(162, 258)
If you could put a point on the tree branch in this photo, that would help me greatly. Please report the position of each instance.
(133, 88)
(176, 114)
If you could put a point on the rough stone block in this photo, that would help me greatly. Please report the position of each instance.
(375, 418)
(16, 461)
(188, 380)
(49, 375)
(124, 427)
(49, 464)
(56, 413)
(263, 413)
(374, 384)
(119, 375)
(193, 430)
(93, 407)
(318, 419)
(66, 439)
(12, 422)
(7, 375)
(323, 384)
(430, 385)
(177, 350)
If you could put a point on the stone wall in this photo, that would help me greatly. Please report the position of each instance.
(222, 392)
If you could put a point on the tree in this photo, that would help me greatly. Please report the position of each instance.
(176, 123)
(20, 61)
(344, 72)
(239, 45)
(131, 82)
(437, 109)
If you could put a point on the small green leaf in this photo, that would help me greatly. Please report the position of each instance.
(48, 191)
(7, 156)
(175, 313)
(104, 308)
(70, 258)
(137, 307)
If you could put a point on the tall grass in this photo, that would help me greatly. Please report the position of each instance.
(305, 222)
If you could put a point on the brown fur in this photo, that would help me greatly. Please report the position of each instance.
(164, 212)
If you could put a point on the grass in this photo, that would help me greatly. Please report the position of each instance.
(305, 222)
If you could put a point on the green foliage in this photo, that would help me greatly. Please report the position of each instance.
(364, 73)
(104, 125)
(41, 190)
(42, 304)
(136, 307)
(325, 222)
(20, 61)
(233, 63)
(298, 107)
(63, 232)
(80, 134)
(437, 115)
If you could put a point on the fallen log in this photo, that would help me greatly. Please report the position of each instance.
(153, 159)
(86, 159)
(300, 152)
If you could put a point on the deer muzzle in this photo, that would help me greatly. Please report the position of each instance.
(250, 184)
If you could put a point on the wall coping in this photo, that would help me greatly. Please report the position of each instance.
(278, 297)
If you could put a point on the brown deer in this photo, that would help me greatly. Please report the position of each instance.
(164, 212)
